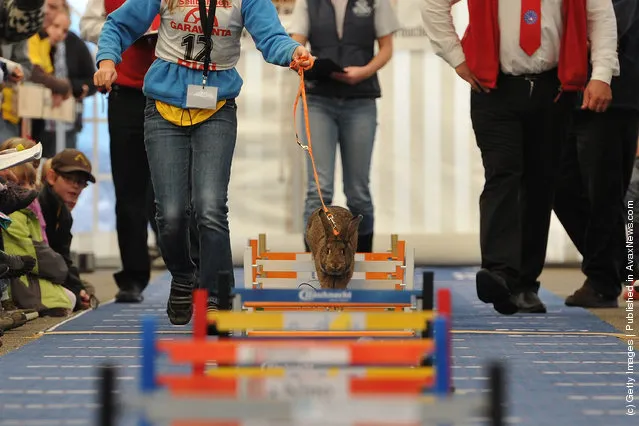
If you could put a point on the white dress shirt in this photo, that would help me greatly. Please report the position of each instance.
(92, 21)
(602, 33)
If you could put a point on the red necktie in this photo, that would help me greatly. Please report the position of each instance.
(530, 32)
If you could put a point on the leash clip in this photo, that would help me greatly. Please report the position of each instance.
(297, 139)
(331, 219)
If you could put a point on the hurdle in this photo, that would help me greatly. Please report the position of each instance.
(361, 301)
(304, 396)
(390, 270)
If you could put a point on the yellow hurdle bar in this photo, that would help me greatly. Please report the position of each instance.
(331, 321)
(368, 372)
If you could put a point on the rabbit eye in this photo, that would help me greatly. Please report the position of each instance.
(343, 251)
(329, 251)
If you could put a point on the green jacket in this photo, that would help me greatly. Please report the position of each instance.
(41, 288)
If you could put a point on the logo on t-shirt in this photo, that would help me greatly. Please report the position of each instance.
(362, 9)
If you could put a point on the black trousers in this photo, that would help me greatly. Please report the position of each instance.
(597, 162)
(134, 199)
(519, 128)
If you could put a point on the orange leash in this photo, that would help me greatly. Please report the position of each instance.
(301, 93)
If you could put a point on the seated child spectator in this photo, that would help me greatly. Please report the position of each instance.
(41, 289)
(64, 177)
(12, 198)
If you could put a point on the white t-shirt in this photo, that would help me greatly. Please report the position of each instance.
(386, 21)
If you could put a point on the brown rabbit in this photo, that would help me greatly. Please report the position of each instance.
(334, 255)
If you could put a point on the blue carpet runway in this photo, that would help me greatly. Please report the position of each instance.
(564, 368)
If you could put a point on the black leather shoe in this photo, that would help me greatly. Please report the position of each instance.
(492, 288)
(129, 295)
(587, 297)
(528, 302)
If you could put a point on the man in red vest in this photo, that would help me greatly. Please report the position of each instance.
(525, 61)
(129, 164)
(597, 166)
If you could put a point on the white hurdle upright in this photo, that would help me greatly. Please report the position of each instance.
(390, 270)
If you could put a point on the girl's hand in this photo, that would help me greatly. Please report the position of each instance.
(302, 58)
(106, 75)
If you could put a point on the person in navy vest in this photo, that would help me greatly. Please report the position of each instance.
(597, 165)
(342, 108)
(525, 61)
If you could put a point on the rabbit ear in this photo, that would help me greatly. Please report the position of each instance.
(351, 232)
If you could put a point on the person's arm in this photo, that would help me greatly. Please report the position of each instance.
(20, 19)
(263, 24)
(84, 67)
(124, 26)
(59, 86)
(627, 13)
(92, 21)
(73, 282)
(602, 33)
(60, 241)
(51, 265)
(386, 24)
(440, 29)
(20, 55)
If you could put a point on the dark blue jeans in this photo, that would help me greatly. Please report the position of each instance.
(191, 166)
(351, 124)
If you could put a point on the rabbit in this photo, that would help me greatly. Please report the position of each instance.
(334, 255)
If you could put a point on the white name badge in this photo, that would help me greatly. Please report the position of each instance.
(201, 97)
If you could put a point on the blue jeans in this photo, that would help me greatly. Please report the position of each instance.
(351, 123)
(8, 130)
(191, 166)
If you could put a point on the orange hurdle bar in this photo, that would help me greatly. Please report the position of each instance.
(230, 387)
(373, 352)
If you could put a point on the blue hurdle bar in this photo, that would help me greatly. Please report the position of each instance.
(442, 357)
(310, 296)
(148, 382)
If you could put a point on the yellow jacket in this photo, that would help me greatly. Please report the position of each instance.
(39, 49)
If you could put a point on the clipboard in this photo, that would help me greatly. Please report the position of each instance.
(322, 69)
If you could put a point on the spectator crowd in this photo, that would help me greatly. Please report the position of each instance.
(38, 276)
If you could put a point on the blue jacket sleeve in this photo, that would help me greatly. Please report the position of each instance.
(124, 26)
(263, 24)
(627, 12)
